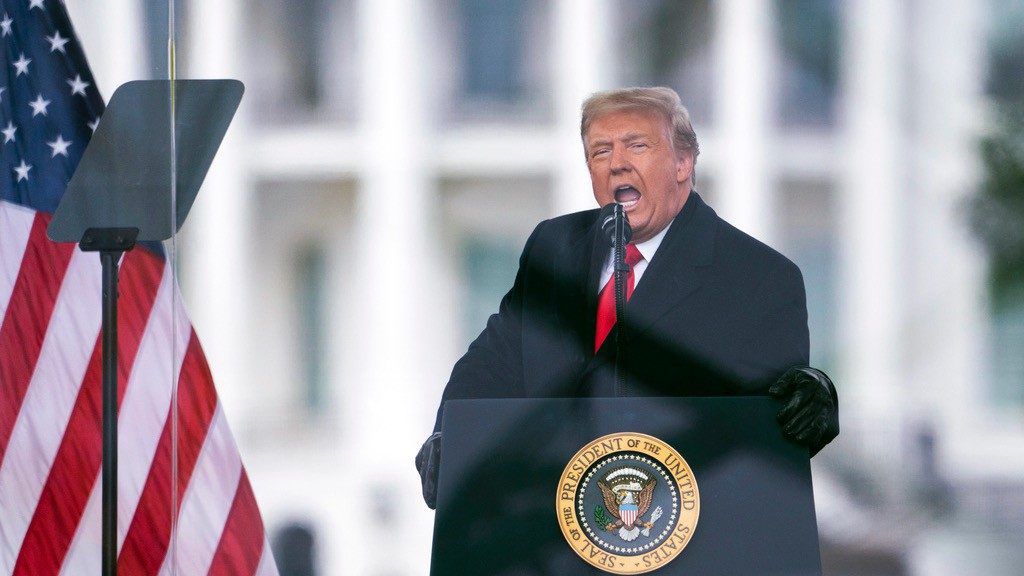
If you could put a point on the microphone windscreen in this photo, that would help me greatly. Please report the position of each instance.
(606, 218)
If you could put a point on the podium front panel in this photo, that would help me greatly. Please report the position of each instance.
(501, 461)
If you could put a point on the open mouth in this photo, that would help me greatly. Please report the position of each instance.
(627, 196)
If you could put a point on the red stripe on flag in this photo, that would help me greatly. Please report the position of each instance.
(241, 544)
(24, 326)
(78, 460)
(147, 540)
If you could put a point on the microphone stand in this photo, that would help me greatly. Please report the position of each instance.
(620, 271)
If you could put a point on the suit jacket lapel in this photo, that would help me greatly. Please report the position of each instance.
(577, 293)
(677, 269)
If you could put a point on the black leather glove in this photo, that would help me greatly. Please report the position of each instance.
(811, 414)
(428, 463)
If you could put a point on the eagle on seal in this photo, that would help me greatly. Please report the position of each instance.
(627, 495)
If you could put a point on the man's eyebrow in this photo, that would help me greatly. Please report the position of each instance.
(633, 136)
(604, 141)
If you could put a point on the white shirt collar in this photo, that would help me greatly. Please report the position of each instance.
(649, 247)
(647, 250)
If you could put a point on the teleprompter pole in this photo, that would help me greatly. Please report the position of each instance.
(111, 243)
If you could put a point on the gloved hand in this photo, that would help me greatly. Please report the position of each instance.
(428, 463)
(811, 414)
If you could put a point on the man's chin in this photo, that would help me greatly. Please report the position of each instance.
(640, 227)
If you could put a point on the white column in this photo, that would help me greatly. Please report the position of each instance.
(215, 242)
(386, 390)
(743, 45)
(111, 34)
(871, 197)
(581, 67)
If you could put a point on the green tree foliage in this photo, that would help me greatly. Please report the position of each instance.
(997, 212)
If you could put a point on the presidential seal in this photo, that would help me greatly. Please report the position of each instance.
(627, 503)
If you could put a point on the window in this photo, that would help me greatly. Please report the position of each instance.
(311, 278)
(998, 215)
(809, 39)
(1007, 341)
(807, 217)
(486, 223)
(492, 61)
(489, 266)
(492, 40)
(1006, 52)
(300, 229)
(669, 43)
(301, 56)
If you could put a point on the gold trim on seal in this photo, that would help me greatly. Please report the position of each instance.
(576, 530)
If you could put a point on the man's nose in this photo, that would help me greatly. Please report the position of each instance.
(618, 161)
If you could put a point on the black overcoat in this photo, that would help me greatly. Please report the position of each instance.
(715, 313)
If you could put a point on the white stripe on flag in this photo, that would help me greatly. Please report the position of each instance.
(87, 558)
(15, 226)
(148, 395)
(147, 400)
(207, 500)
(39, 429)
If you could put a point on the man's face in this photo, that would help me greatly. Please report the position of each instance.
(632, 162)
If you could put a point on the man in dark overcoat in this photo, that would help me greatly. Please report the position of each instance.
(710, 311)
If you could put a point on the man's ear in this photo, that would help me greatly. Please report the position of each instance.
(684, 166)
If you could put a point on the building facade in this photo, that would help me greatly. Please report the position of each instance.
(366, 213)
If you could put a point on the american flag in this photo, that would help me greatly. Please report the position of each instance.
(50, 397)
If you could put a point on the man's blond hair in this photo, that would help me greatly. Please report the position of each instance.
(658, 99)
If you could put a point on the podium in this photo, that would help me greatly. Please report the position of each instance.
(521, 479)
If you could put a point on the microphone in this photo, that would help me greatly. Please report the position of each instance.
(613, 217)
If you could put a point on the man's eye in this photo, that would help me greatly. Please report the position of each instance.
(600, 152)
(639, 146)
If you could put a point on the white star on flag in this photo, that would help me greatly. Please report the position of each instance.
(59, 146)
(57, 43)
(5, 25)
(77, 85)
(39, 106)
(21, 65)
(22, 170)
(93, 125)
(9, 132)
(35, 4)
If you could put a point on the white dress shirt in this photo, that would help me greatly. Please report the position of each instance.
(647, 250)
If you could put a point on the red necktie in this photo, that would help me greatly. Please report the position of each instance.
(606, 301)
